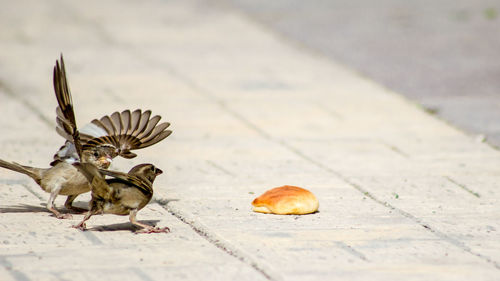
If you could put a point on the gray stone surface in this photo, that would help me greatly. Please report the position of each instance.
(442, 54)
(402, 194)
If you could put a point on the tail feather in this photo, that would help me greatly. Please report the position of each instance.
(34, 173)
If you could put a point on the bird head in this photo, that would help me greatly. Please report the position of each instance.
(100, 156)
(147, 171)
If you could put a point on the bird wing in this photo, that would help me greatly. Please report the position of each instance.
(99, 185)
(126, 131)
(142, 184)
(66, 122)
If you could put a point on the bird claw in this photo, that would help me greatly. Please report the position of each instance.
(154, 229)
(80, 226)
(64, 216)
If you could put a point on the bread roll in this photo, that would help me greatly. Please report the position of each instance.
(286, 200)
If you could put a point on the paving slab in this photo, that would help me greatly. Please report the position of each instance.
(440, 54)
(402, 194)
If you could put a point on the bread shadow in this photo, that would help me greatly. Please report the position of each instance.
(295, 216)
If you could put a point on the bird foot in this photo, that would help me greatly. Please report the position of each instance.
(63, 216)
(59, 215)
(80, 226)
(154, 229)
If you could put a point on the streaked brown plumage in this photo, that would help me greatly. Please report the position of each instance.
(123, 131)
(63, 178)
(121, 194)
(99, 142)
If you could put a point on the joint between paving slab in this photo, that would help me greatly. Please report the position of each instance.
(91, 237)
(462, 186)
(223, 105)
(10, 93)
(88, 235)
(30, 190)
(329, 111)
(17, 275)
(351, 250)
(395, 149)
(220, 243)
(436, 232)
(141, 274)
(317, 53)
(262, 133)
(220, 168)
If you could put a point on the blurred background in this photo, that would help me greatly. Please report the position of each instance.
(445, 55)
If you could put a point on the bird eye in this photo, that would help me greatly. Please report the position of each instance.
(96, 154)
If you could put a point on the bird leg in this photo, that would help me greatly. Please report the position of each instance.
(144, 227)
(69, 205)
(82, 226)
(50, 205)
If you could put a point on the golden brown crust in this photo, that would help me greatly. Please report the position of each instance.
(286, 200)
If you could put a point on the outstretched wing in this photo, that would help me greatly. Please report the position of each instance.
(66, 122)
(126, 131)
(140, 183)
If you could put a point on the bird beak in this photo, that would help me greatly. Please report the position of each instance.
(158, 171)
(105, 161)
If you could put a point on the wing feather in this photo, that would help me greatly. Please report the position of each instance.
(129, 131)
(65, 119)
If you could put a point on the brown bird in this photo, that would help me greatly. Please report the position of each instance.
(122, 194)
(99, 142)
(63, 178)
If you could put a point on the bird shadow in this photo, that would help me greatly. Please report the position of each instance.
(122, 226)
(25, 208)
(164, 202)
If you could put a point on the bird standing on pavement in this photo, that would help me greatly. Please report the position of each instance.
(63, 178)
(122, 194)
(98, 142)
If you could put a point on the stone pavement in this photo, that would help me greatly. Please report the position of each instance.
(402, 194)
(442, 54)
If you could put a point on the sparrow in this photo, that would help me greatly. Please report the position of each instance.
(98, 142)
(62, 178)
(120, 194)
